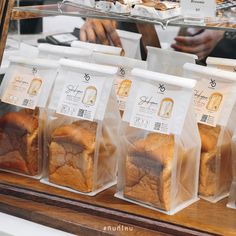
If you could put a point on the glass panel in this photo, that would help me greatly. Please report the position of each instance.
(225, 20)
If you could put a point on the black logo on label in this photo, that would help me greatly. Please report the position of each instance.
(86, 77)
(34, 70)
(122, 71)
(213, 83)
(162, 88)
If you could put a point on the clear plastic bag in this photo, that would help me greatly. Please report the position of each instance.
(158, 163)
(24, 92)
(82, 153)
(228, 65)
(57, 52)
(122, 81)
(216, 156)
(168, 61)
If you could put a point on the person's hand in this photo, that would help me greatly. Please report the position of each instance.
(199, 43)
(101, 31)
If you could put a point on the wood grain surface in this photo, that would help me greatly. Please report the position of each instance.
(201, 218)
(68, 220)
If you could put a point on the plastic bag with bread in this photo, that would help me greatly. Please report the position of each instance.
(82, 153)
(154, 168)
(21, 126)
(216, 155)
(228, 65)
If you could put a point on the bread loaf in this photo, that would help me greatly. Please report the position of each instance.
(215, 168)
(148, 170)
(71, 157)
(19, 142)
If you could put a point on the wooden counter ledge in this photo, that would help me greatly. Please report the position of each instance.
(201, 218)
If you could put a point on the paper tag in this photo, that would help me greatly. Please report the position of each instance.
(63, 38)
(198, 8)
(122, 86)
(154, 108)
(24, 89)
(80, 96)
(209, 99)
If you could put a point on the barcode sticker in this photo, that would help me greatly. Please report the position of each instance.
(23, 89)
(209, 96)
(80, 96)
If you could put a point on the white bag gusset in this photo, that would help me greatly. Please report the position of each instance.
(130, 43)
(122, 81)
(55, 52)
(24, 92)
(214, 97)
(82, 135)
(160, 143)
(168, 61)
(98, 48)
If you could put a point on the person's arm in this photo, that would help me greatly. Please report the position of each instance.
(102, 31)
(200, 43)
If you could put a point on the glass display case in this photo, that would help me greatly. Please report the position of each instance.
(79, 214)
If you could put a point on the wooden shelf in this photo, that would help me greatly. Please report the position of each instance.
(201, 218)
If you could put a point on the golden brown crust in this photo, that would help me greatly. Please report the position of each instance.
(209, 137)
(19, 142)
(77, 133)
(148, 170)
(153, 146)
(19, 120)
(71, 157)
(215, 168)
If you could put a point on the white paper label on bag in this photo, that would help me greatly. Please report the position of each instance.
(80, 96)
(198, 8)
(122, 86)
(154, 107)
(23, 89)
(209, 96)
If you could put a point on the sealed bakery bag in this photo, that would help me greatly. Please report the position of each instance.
(228, 65)
(122, 81)
(55, 52)
(24, 92)
(82, 135)
(98, 48)
(161, 144)
(214, 100)
(130, 43)
(168, 61)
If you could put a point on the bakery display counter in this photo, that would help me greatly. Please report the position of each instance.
(201, 218)
(225, 20)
